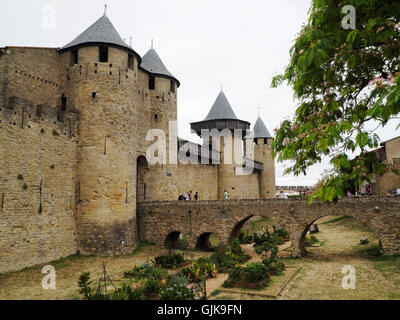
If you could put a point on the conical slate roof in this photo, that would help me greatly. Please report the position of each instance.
(102, 31)
(152, 63)
(260, 130)
(221, 109)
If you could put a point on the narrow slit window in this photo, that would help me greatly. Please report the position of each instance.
(63, 103)
(172, 86)
(152, 83)
(130, 61)
(74, 57)
(103, 54)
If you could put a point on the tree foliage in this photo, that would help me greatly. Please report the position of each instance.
(345, 81)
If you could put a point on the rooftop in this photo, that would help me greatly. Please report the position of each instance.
(152, 63)
(221, 109)
(102, 31)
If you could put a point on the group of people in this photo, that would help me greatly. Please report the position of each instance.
(189, 196)
(395, 192)
(368, 192)
(282, 195)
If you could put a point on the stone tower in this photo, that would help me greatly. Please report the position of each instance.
(262, 153)
(223, 119)
(163, 88)
(100, 76)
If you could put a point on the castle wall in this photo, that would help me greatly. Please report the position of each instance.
(392, 149)
(29, 73)
(198, 178)
(389, 180)
(37, 185)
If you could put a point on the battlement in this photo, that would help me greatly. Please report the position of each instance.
(21, 112)
(102, 71)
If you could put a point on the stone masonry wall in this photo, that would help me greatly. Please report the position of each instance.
(29, 73)
(389, 180)
(37, 184)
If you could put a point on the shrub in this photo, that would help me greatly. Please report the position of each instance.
(245, 238)
(152, 286)
(177, 292)
(199, 270)
(182, 244)
(170, 260)
(220, 250)
(253, 276)
(280, 235)
(274, 264)
(193, 273)
(225, 259)
(176, 279)
(237, 252)
(20, 177)
(310, 240)
(126, 292)
(84, 285)
(147, 270)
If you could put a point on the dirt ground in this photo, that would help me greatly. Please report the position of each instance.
(320, 276)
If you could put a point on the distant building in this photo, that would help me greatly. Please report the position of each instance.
(388, 153)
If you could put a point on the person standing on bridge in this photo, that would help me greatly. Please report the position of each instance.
(226, 195)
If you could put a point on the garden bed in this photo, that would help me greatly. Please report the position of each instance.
(275, 286)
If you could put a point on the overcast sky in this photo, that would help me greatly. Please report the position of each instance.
(205, 44)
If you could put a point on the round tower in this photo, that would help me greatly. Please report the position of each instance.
(162, 88)
(262, 153)
(99, 78)
(224, 122)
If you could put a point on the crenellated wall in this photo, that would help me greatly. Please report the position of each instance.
(38, 157)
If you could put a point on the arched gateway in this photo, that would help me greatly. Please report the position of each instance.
(225, 218)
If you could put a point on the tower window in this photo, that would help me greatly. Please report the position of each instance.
(63, 103)
(172, 86)
(103, 54)
(152, 83)
(74, 57)
(130, 61)
(155, 117)
(265, 141)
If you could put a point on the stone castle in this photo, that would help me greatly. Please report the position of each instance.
(73, 164)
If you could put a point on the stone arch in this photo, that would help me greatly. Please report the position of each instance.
(275, 217)
(300, 234)
(171, 240)
(203, 242)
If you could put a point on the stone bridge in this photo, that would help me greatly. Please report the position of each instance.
(198, 219)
